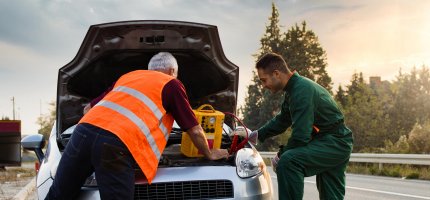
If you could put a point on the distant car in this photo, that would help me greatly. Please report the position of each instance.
(113, 49)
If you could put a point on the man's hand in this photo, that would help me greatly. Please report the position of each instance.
(217, 154)
(253, 137)
(198, 138)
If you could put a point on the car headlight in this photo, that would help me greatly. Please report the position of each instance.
(249, 163)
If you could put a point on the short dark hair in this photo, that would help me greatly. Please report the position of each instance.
(271, 61)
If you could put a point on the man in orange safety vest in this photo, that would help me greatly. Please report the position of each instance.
(128, 124)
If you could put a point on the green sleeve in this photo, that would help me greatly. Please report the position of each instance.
(302, 114)
(277, 125)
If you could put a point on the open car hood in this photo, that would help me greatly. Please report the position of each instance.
(113, 49)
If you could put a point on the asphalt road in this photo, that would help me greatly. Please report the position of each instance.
(360, 187)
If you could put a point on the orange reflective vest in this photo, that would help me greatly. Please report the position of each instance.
(134, 111)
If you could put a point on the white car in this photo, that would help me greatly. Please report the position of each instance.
(113, 49)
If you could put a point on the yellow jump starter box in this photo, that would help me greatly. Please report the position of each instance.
(211, 121)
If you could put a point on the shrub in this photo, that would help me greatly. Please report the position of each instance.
(413, 175)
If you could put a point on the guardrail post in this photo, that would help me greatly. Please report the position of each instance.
(380, 166)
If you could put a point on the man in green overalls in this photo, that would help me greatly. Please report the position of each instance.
(320, 143)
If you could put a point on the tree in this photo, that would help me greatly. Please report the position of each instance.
(303, 53)
(357, 85)
(419, 138)
(341, 97)
(409, 111)
(411, 105)
(271, 40)
(365, 116)
(401, 146)
(46, 121)
(252, 104)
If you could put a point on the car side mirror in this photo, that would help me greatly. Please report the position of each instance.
(34, 143)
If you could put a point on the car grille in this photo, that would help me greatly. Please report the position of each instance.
(208, 189)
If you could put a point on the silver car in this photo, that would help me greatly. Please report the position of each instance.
(113, 49)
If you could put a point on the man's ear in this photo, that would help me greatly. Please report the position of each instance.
(276, 73)
(171, 71)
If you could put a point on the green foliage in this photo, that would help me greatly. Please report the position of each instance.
(401, 146)
(411, 101)
(251, 110)
(365, 115)
(413, 175)
(417, 141)
(389, 117)
(271, 40)
(419, 138)
(341, 97)
(46, 121)
(393, 170)
(303, 53)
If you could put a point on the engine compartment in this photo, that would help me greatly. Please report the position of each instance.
(172, 155)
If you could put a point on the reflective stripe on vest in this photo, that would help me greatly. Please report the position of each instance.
(136, 120)
(148, 102)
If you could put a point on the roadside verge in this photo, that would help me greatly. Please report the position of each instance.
(26, 191)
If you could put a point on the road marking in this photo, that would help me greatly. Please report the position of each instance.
(380, 191)
(376, 191)
(385, 192)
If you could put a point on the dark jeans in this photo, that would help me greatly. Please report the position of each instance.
(92, 149)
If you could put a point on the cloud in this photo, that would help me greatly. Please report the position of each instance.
(37, 37)
(36, 26)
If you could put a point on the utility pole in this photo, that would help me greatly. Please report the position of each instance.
(13, 107)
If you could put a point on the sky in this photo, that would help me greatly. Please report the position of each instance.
(37, 37)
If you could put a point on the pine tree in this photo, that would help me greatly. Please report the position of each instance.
(252, 104)
(271, 40)
(365, 116)
(303, 53)
(340, 96)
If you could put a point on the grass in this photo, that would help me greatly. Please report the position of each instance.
(15, 174)
(13, 178)
(391, 170)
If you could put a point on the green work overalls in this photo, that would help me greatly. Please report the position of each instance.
(320, 143)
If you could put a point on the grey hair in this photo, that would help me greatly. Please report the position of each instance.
(163, 61)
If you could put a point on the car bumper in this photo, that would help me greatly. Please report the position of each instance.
(257, 187)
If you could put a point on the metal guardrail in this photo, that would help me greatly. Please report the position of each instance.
(412, 159)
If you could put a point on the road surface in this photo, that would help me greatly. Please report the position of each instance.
(360, 187)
